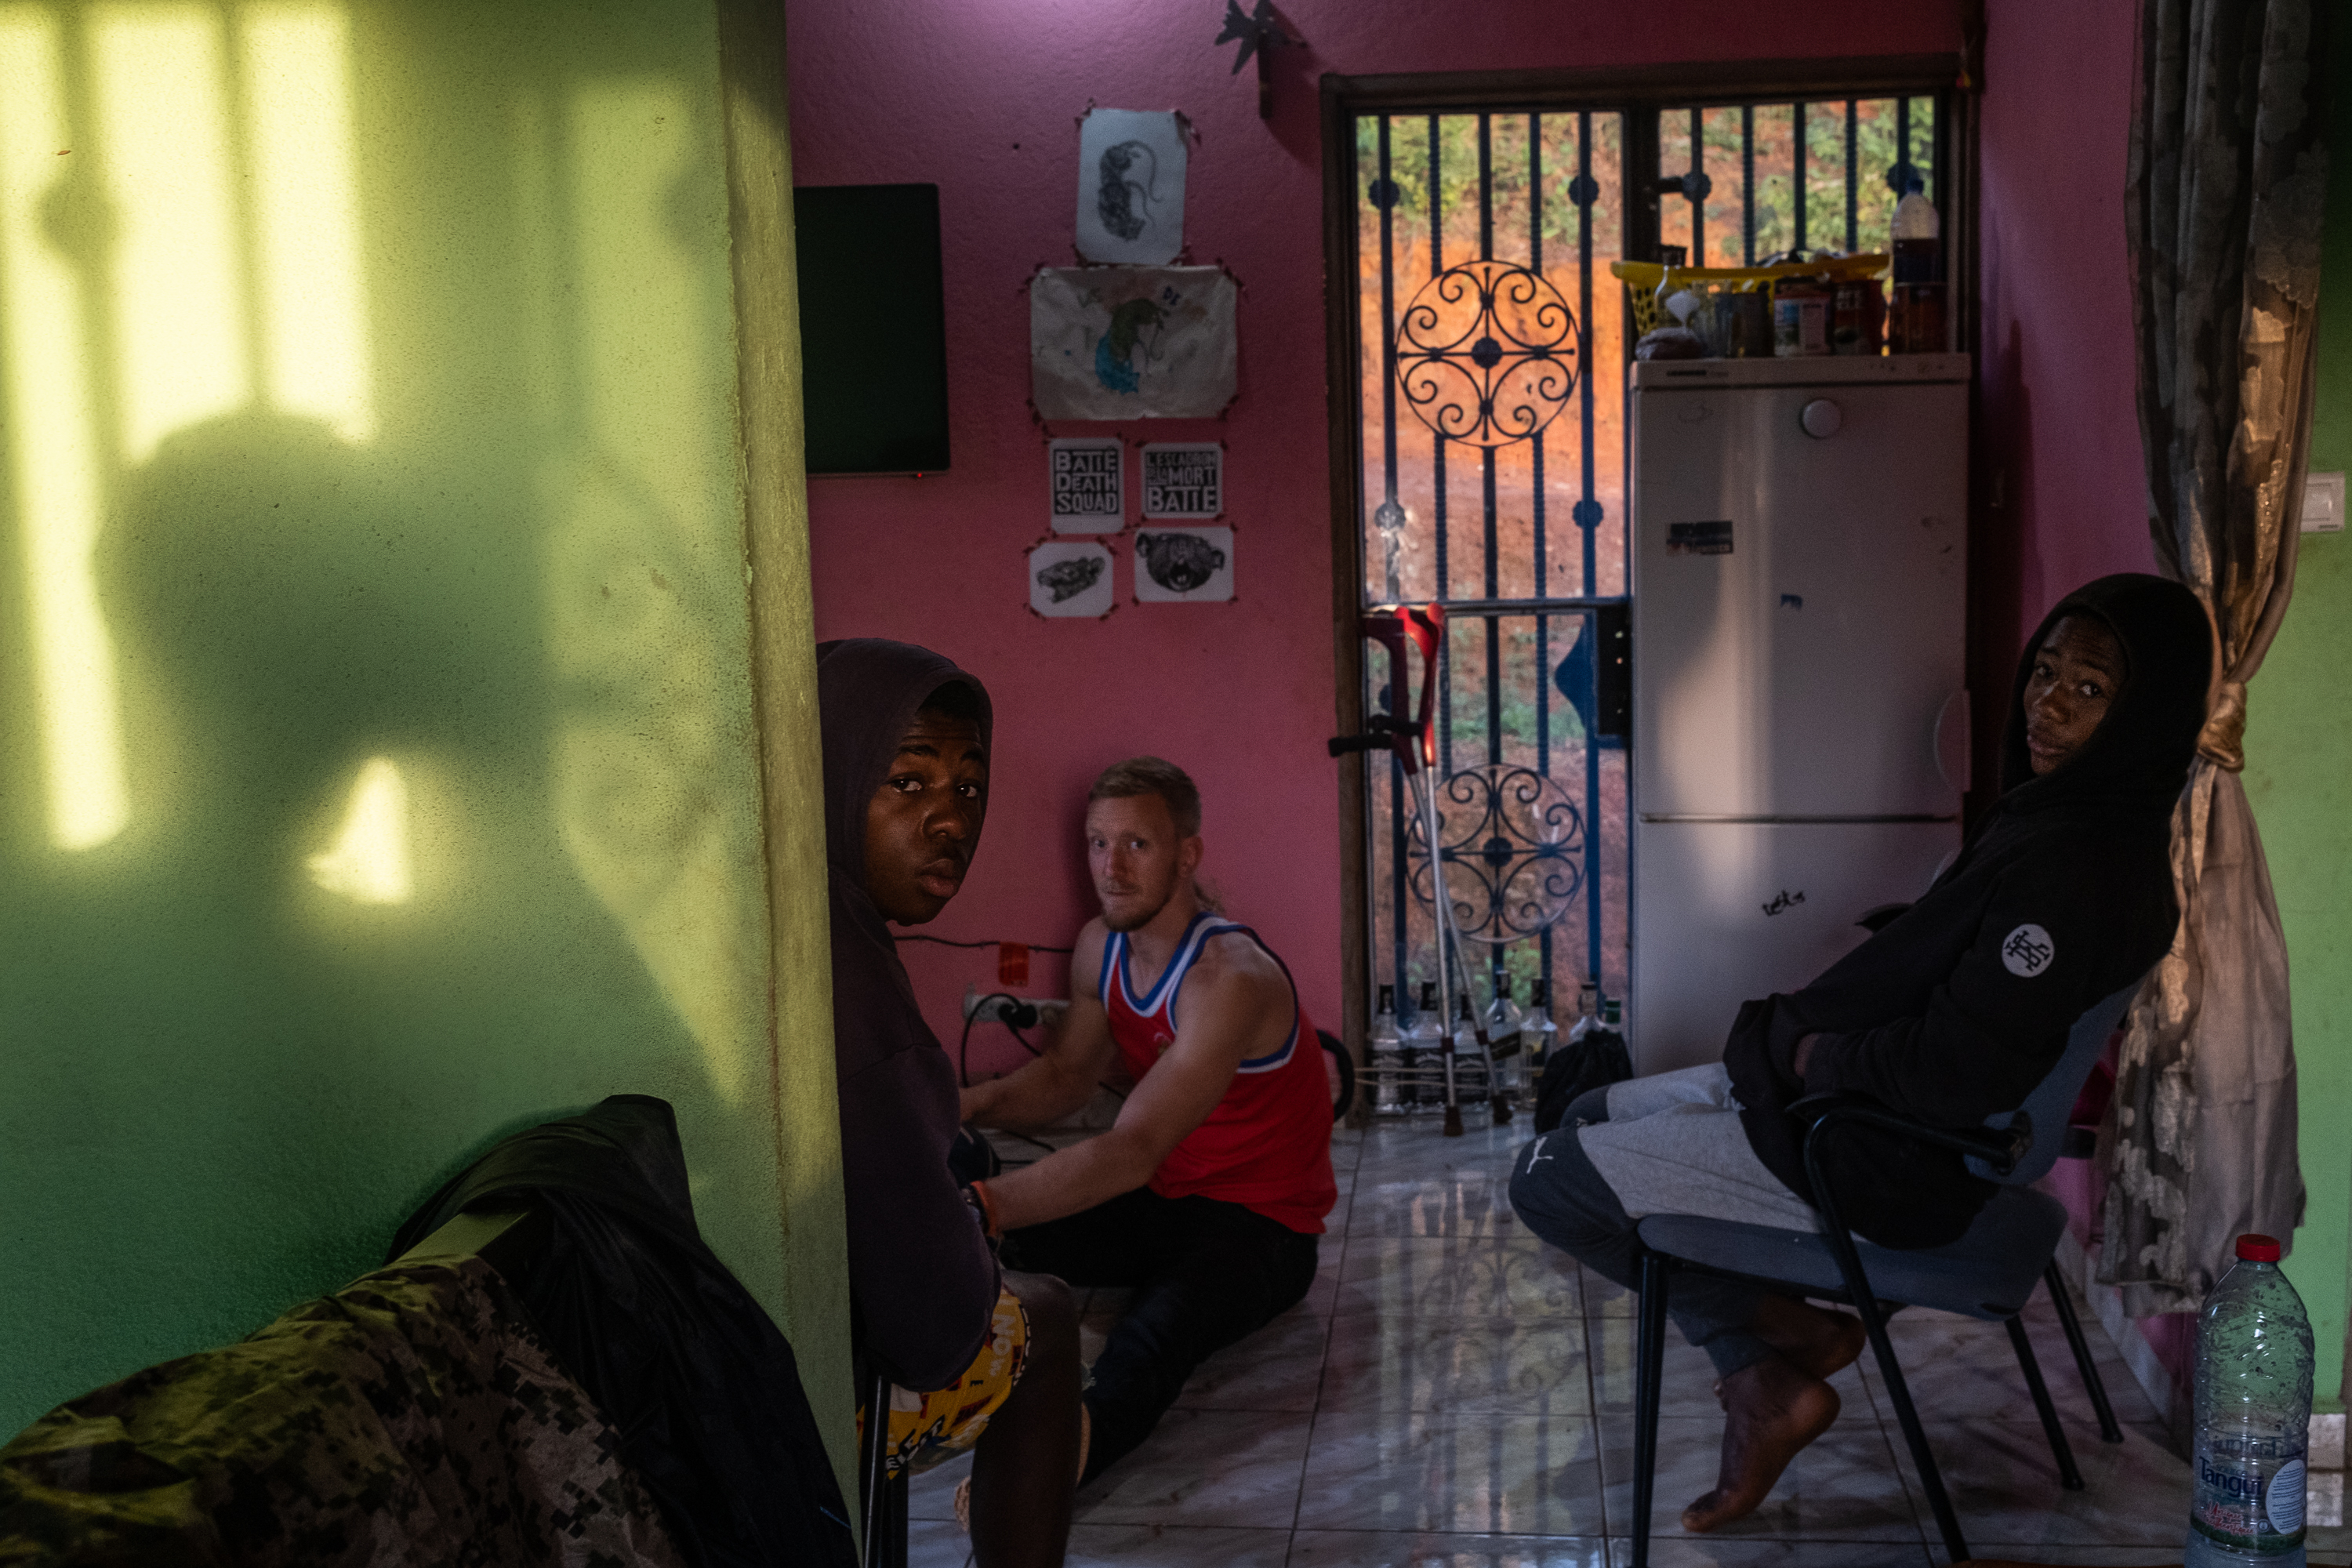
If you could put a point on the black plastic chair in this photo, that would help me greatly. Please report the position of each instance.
(1988, 1273)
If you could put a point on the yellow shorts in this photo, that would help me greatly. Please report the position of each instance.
(926, 1429)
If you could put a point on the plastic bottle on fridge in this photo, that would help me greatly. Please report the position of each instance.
(2252, 1417)
(1917, 227)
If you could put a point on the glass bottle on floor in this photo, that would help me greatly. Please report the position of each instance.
(1537, 1033)
(1384, 1055)
(1469, 1063)
(1588, 1010)
(1503, 1042)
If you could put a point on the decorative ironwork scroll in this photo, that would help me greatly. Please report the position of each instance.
(1486, 353)
(1512, 842)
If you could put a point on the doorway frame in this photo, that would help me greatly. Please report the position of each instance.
(1640, 93)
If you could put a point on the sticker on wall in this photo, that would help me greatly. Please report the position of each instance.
(1130, 185)
(1713, 538)
(1070, 577)
(1183, 566)
(1131, 342)
(1184, 478)
(1086, 484)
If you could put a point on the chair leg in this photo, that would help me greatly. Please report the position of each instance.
(894, 1522)
(2093, 1383)
(1649, 1372)
(1873, 1322)
(2068, 1475)
(872, 1477)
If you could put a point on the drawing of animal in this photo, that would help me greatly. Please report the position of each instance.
(1124, 205)
(1068, 579)
(1179, 562)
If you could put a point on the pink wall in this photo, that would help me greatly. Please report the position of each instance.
(2058, 421)
(2058, 432)
(982, 96)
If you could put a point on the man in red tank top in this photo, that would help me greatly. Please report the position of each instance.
(1207, 1195)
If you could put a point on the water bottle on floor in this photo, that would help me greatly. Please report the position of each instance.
(2252, 1417)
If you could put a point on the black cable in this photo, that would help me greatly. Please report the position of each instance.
(963, 1046)
(945, 941)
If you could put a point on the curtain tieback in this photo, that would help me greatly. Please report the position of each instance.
(2223, 740)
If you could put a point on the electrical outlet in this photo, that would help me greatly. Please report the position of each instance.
(998, 1008)
(2323, 502)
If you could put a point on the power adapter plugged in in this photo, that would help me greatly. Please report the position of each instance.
(996, 1007)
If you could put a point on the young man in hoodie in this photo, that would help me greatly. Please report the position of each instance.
(1953, 1011)
(982, 1358)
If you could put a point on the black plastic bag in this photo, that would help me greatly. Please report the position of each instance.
(677, 1356)
(1593, 1060)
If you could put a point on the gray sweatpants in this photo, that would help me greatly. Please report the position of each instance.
(1669, 1143)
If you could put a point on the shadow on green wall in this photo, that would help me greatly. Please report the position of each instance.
(378, 770)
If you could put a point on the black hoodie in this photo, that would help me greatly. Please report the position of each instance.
(921, 1275)
(1960, 1007)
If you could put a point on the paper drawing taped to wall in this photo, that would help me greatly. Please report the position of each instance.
(1070, 577)
(1183, 566)
(1131, 342)
(1130, 185)
(1085, 480)
(1184, 479)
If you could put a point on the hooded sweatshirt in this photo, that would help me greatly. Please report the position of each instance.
(921, 1275)
(1957, 1009)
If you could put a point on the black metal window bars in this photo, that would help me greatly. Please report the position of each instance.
(1490, 348)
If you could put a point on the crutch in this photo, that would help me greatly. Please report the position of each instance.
(1499, 1105)
(1414, 744)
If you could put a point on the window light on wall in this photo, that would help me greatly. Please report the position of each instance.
(200, 216)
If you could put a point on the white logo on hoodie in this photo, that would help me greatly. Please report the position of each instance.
(2028, 952)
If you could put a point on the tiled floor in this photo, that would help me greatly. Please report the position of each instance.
(1452, 1392)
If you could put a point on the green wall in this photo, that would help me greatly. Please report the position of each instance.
(381, 754)
(2299, 778)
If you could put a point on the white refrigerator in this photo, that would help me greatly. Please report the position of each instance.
(1800, 720)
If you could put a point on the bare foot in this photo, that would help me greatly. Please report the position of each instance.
(1816, 1340)
(1773, 1410)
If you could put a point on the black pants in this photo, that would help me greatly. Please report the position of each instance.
(1564, 1199)
(1204, 1274)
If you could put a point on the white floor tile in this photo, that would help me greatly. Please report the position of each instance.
(1443, 1470)
(1279, 1368)
(1964, 1366)
(1400, 1549)
(1206, 1468)
(1511, 1277)
(1680, 1551)
(1843, 1488)
(1397, 1363)
(1175, 1546)
(936, 1544)
(2004, 1488)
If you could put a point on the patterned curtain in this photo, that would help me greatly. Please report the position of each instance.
(2222, 212)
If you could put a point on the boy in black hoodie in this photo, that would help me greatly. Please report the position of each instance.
(1953, 1011)
(982, 1358)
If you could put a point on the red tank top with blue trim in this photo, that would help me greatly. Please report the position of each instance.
(1267, 1145)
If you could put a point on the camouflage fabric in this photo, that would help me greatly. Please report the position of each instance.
(414, 1418)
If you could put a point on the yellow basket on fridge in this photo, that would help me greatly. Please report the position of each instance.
(1644, 280)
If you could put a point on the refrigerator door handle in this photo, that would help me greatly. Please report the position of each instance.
(1952, 740)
